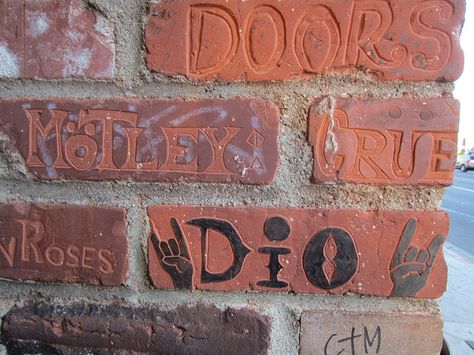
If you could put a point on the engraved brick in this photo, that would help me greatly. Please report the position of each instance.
(208, 140)
(85, 329)
(63, 243)
(54, 39)
(385, 253)
(277, 40)
(370, 333)
(400, 141)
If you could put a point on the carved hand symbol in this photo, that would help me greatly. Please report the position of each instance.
(411, 267)
(174, 257)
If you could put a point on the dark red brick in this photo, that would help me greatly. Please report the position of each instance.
(54, 39)
(400, 141)
(208, 140)
(85, 329)
(63, 243)
(385, 253)
(278, 40)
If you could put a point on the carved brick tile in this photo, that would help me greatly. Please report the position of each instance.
(400, 141)
(63, 243)
(277, 40)
(386, 253)
(207, 140)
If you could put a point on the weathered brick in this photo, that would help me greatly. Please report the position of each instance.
(65, 243)
(208, 140)
(400, 141)
(278, 40)
(385, 253)
(82, 329)
(54, 39)
(370, 333)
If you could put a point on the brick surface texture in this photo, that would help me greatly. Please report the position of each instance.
(54, 39)
(375, 333)
(220, 177)
(85, 244)
(183, 330)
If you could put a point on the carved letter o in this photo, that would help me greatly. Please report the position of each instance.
(345, 259)
(81, 152)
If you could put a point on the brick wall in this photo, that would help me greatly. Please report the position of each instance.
(225, 176)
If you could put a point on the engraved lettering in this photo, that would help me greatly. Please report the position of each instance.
(218, 148)
(279, 40)
(444, 152)
(344, 259)
(265, 38)
(328, 157)
(73, 253)
(317, 39)
(239, 249)
(55, 255)
(371, 20)
(180, 143)
(88, 257)
(107, 119)
(369, 145)
(32, 233)
(289, 249)
(214, 39)
(409, 150)
(8, 251)
(429, 30)
(131, 162)
(375, 141)
(208, 140)
(52, 129)
(106, 258)
(81, 152)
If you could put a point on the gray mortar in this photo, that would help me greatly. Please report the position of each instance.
(292, 185)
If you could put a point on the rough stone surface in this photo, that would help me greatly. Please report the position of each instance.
(401, 141)
(153, 140)
(82, 329)
(54, 39)
(82, 244)
(384, 253)
(268, 40)
(370, 333)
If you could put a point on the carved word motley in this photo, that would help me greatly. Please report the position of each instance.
(400, 141)
(156, 140)
(299, 250)
(63, 243)
(278, 40)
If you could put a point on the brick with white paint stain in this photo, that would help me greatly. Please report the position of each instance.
(54, 39)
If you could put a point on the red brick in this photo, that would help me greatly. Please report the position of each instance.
(54, 39)
(399, 141)
(93, 328)
(278, 40)
(370, 333)
(385, 253)
(208, 140)
(63, 243)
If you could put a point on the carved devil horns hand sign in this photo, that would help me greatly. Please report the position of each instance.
(411, 267)
(174, 257)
